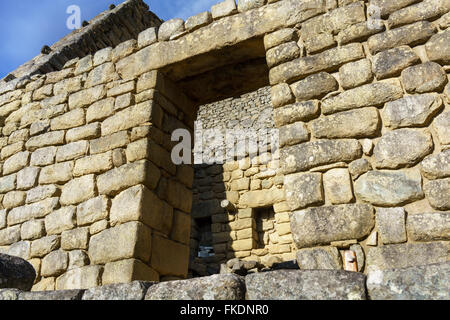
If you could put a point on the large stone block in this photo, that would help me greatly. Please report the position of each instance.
(123, 291)
(78, 190)
(428, 282)
(438, 193)
(436, 166)
(102, 74)
(389, 188)
(169, 257)
(324, 61)
(75, 239)
(36, 210)
(283, 53)
(411, 34)
(292, 134)
(391, 225)
(60, 220)
(325, 258)
(392, 62)
(27, 178)
(410, 111)
(100, 110)
(338, 186)
(442, 126)
(43, 246)
(47, 139)
(262, 198)
(80, 278)
(41, 193)
(140, 204)
(432, 78)
(359, 123)
(43, 156)
(126, 271)
(296, 112)
(402, 147)
(428, 226)
(216, 287)
(86, 97)
(438, 47)
(303, 190)
(314, 87)
(71, 119)
(306, 285)
(356, 73)
(322, 152)
(129, 240)
(60, 295)
(32, 230)
(111, 142)
(20, 249)
(97, 163)
(116, 180)
(55, 263)
(57, 173)
(369, 95)
(323, 225)
(16, 162)
(9, 235)
(398, 256)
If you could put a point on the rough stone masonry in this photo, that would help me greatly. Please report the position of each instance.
(361, 97)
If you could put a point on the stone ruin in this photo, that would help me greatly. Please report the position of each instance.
(356, 192)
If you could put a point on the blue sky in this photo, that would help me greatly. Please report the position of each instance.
(26, 25)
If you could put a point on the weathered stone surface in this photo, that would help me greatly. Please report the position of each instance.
(262, 198)
(428, 282)
(326, 258)
(356, 73)
(389, 188)
(41, 192)
(8, 183)
(293, 134)
(402, 147)
(428, 226)
(43, 246)
(306, 285)
(32, 230)
(438, 47)
(411, 34)
(303, 190)
(111, 142)
(71, 119)
(296, 112)
(93, 210)
(102, 74)
(102, 56)
(392, 62)
(9, 294)
(80, 278)
(86, 97)
(316, 226)
(77, 259)
(57, 173)
(43, 156)
(97, 163)
(280, 36)
(16, 273)
(442, 126)
(397, 256)
(55, 263)
(90, 131)
(338, 186)
(20, 249)
(27, 178)
(314, 87)
(60, 295)
(44, 140)
(78, 190)
(140, 204)
(281, 95)
(16, 162)
(391, 225)
(358, 123)
(322, 152)
(60, 220)
(75, 239)
(9, 235)
(436, 166)
(319, 42)
(129, 240)
(124, 291)
(245, 5)
(324, 61)
(216, 287)
(72, 150)
(373, 94)
(426, 77)
(14, 199)
(438, 193)
(198, 21)
(100, 110)
(36, 210)
(175, 264)
(224, 8)
(116, 180)
(416, 110)
(170, 28)
(283, 53)
(126, 271)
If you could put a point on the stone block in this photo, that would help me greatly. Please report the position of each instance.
(175, 263)
(432, 78)
(75, 239)
(303, 190)
(322, 225)
(72, 151)
(86, 97)
(442, 126)
(325, 258)
(32, 230)
(98, 163)
(281, 95)
(147, 37)
(358, 123)
(100, 110)
(402, 147)
(262, 198)
(411, 111)
(55, 263)
(314, 87)
(80, 278)
(338, 186)
(356, 73)
(43, 156)
(78, 190)
(282, 53)
(280, 36)
(293, 134)
(392, 62)
(128, 240)
(111, 142)
(428, 226)
(198, 21)
(57, 173)
(216, 287)
(437, 47)
(27, 178)
(60, 220)
(224, 8)
(296, 112)
(71, 119)
(89, 131)
(36, 210)
(438, 193)
(14, 199)
(16, 162)
(306, 285)
(170, 28)
(436, 166)
(43, 246)
(391, 225)
(41, 193)
(47, 139)
(122, 291)
(104, 73)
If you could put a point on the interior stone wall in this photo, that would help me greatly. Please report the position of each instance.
(90, 195)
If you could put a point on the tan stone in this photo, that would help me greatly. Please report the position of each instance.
(338, 186)
(97, 163)
(80, 278)
(57, 173)
(175, 263)
(43, 246)
(93, 210)
(60, 220)
(126, 271)
(75, 239)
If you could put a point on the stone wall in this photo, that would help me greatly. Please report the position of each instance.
(90, 195)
